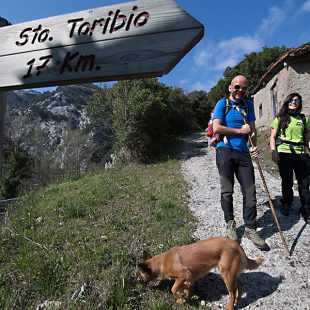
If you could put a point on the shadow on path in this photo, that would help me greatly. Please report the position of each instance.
(257, 285)
(212, 288)
(193, 148)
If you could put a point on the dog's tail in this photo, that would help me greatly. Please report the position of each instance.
(254, 263)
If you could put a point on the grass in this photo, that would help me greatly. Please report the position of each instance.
(76, 243)
(90, 233)
(265, 154)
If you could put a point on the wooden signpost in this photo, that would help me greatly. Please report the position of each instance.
(145, 38)
(3, 101)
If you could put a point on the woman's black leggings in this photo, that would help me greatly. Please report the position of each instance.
(289, 164)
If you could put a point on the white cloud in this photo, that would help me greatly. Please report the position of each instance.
(225, 53)
(305, 7)
(203, 56)
(269, 24)
(231, 61)
(183, 82)
(200, 86)
(212, 59)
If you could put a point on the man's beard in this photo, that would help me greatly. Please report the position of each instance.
(237, 99)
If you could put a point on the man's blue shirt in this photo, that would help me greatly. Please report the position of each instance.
(234, 119)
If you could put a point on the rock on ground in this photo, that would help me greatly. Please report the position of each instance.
(282, 282)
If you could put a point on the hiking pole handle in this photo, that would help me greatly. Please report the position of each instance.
(267, 192)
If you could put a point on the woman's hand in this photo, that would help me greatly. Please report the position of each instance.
(275, 157)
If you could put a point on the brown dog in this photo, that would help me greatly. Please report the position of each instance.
(186, 264)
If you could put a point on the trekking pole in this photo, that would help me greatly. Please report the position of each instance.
(266, 188)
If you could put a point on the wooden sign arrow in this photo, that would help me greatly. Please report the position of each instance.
(145, 38)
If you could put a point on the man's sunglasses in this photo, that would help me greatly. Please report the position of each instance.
(294, 100)
(238, 87)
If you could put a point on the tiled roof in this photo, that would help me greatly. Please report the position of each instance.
(293, 52)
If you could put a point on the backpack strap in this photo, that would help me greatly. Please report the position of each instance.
(304, 121)
(278, 129)
(244, 106)
(228, 106)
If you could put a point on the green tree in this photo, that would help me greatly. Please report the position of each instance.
(139, 117)
(17, 167)
(201, 107)
(253, 66)
(144, 115)
(181, 117)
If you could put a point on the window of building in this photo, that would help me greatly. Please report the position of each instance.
(274, 99)
(260, 110)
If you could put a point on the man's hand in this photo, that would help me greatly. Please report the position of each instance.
(254, 151)
(245, 129)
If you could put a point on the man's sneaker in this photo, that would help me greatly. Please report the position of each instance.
(258, 241)
(305, 214)
(231, 230)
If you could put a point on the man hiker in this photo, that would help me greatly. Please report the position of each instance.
(233, 158)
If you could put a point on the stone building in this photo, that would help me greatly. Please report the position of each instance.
(290, 73)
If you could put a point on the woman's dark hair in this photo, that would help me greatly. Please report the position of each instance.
(284, 111)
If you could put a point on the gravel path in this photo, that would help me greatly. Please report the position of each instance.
(282, 282)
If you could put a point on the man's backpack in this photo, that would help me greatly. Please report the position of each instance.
(214, 138)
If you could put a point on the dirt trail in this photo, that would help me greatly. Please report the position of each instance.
(282, 282)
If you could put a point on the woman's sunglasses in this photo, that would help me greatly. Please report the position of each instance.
(294, 100)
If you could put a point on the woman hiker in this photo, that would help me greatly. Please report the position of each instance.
(290, 134)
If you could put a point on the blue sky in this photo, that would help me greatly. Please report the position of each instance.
(232, 29)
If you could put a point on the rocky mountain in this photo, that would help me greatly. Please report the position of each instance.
(53, 124)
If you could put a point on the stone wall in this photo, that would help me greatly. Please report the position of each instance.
(294, 77)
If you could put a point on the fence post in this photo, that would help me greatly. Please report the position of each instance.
(3, 100)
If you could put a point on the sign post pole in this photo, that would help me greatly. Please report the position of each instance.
(3, 101)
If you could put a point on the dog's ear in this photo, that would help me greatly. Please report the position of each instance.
(145, 255)
(144, 267)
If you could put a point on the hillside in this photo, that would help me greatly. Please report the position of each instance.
(50, 125)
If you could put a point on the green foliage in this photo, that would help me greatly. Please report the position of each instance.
(17, 167)
(201, 107)
(139, 117)
(179, 113)
(219, 91)
(99, 111)
(93, 231)
(144, 115)
(264, 150)
(253, 66)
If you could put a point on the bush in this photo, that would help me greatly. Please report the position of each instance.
(144, 115)
(17, 167)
